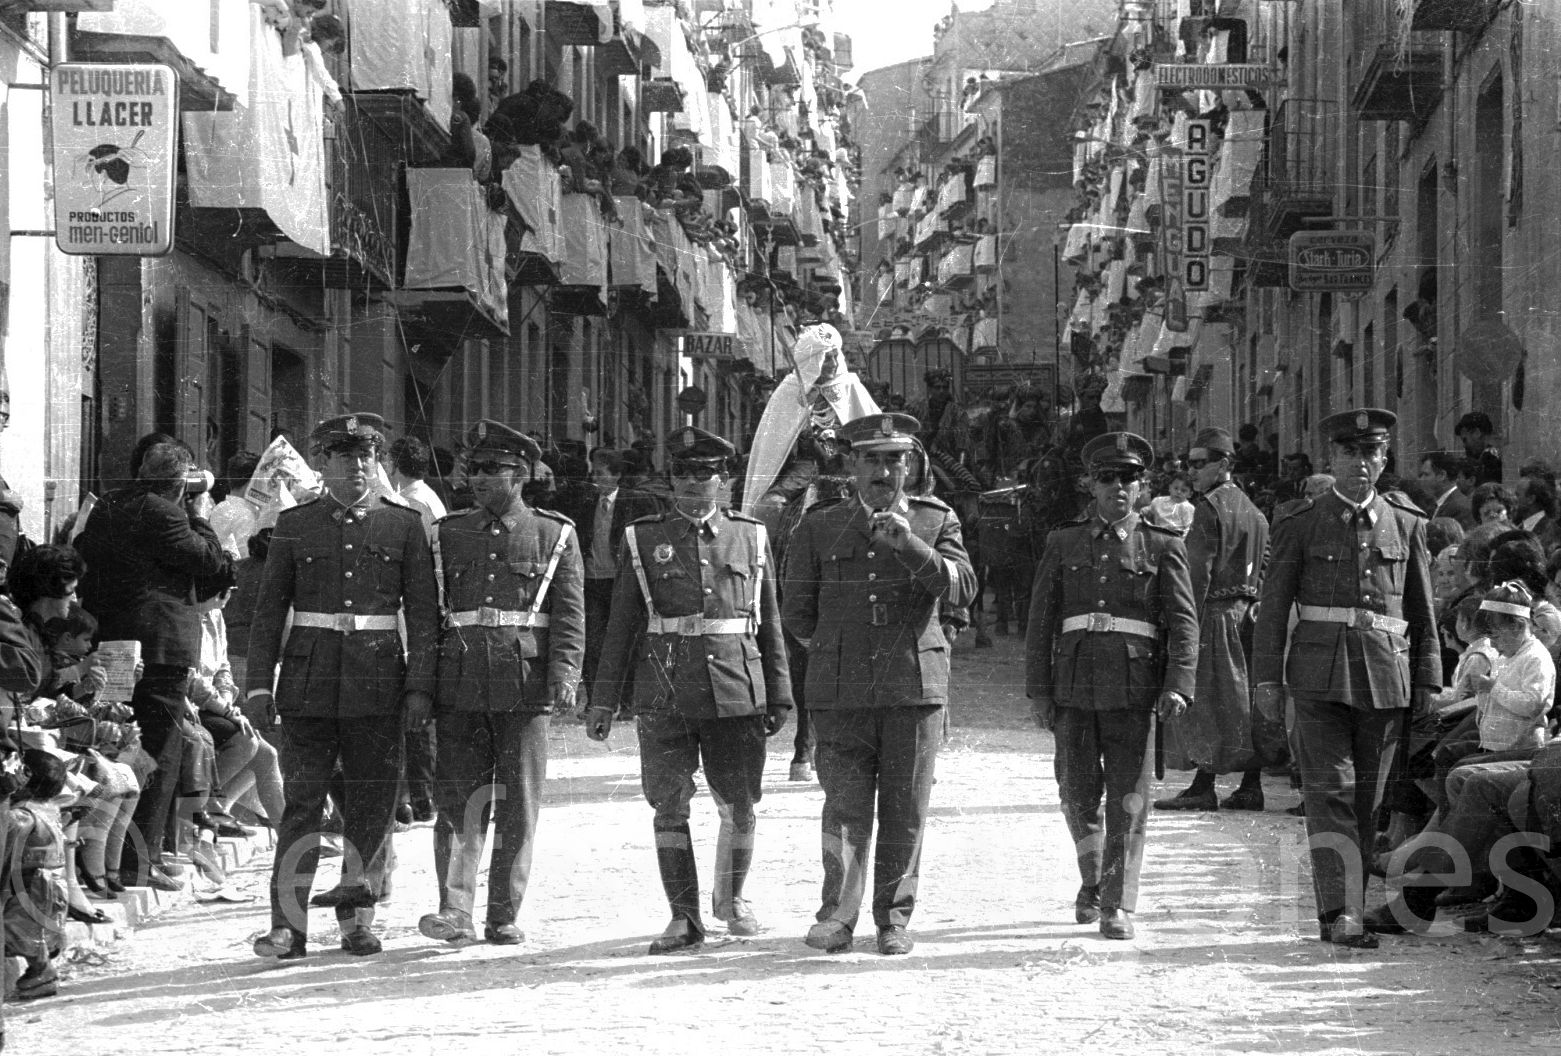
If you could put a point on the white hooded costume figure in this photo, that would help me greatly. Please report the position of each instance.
(820, 393)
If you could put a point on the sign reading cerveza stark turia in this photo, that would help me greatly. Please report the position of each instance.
(113, 128)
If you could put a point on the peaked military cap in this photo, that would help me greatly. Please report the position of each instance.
(1118, 451)
(1365, 425)
(693, 444)
(347, 430)
(889, 431)
(1215, 441)
(489, 439)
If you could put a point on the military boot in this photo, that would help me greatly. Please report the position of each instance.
(726, 901)
(680, 880)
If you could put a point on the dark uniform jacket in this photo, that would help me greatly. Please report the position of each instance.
(718, 569)
(1225, 546)
(870, 614)
(501, 563)
(1132, 570)
(1321, 557)
(372, 559)
(147, 560)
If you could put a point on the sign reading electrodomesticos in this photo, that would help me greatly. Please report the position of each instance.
(114, 127)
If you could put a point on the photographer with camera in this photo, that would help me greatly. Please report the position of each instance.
(150, 556)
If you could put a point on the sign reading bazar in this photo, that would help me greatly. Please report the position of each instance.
(114, 131)
(1332, 261)
(710, 346)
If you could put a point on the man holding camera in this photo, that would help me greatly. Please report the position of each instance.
(865, 580)
(351, 565)
(149, 556)
(696, 632)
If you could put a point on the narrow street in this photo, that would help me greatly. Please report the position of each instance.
(1226, 959)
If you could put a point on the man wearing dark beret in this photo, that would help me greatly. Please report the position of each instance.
(865, 581)
(1225, 550)
(1353, 562)
(695, 636)
(1113, 642)
(352, 566)
(510, 654)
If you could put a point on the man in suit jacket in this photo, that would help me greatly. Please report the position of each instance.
(149, 558)
(600, 513)
(1537, 511)
(1439, 472)
(1363, 655)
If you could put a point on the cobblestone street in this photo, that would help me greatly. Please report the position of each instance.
(1226, 959)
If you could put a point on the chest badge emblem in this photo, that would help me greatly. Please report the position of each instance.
(662, 553)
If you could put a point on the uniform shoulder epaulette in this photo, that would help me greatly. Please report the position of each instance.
(826, 503)
(929, 500)
(387, 503)
(651, 518)
(457, 514)
(1158, 528)
(1405, 503)
(1301, 506)
(554, 515)
(737, 515)
(295, 511)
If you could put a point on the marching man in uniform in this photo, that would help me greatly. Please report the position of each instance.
(511, 653)
(696, 631)
(1354, 563)
(350, 565)
(865, 580)
(1113, 642)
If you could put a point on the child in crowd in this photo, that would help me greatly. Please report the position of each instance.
(1173, 509)
(1514, 698)
(32, 894)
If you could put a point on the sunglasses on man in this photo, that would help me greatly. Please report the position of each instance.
(1115, 476)
(700, 471)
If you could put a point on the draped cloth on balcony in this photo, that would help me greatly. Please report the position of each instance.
(188, 27)
(269, 154)
(633, 261)
(534, 189)
(456, 241)
(403, 44)
(585, 244)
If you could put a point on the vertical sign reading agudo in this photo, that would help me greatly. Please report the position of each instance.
(114, 133)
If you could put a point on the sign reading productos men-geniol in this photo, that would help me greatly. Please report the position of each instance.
(114, 128)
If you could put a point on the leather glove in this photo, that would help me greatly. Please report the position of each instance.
(561, 698)
(419, 709)
(774, 719)
(598, 723)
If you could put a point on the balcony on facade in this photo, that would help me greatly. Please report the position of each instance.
(1399, 83)
(454, 284)
(1295, 180)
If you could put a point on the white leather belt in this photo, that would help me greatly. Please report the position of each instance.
(694, 626)
(344, 622)
(486, 616)
(1105, 623)
(1360, 619)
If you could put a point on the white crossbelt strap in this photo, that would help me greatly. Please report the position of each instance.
(1360, 619)
(547, 576)
(344, 622)
(1105, 623)
(639, 569)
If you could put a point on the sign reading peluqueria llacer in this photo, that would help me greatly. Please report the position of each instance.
(114, 129)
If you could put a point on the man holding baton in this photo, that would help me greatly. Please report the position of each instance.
(1113, 642)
